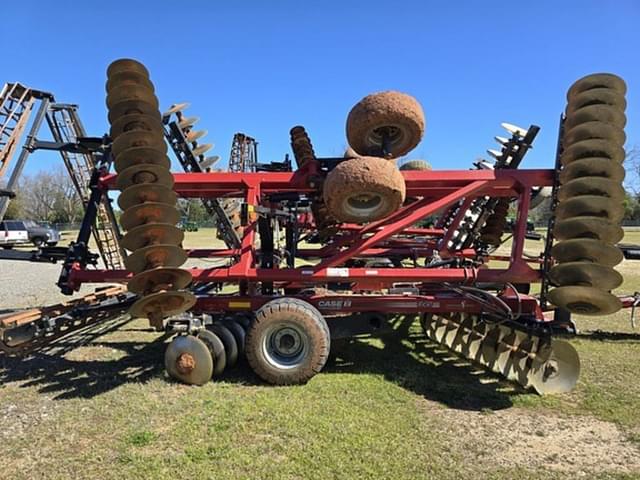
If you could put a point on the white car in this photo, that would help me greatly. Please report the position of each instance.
(13, 233)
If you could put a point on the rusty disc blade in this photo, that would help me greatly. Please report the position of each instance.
(144, 173)
(591, 205)
(586, 274)
(141, 155)
(136, 122)
(151, 234)
(585, 300)
(200, 149)
(602, 187)
(129, 77)
(146, 192)
(187, 358)
(155, 256)
(130, 107)
(126, 65)
(588, 227)
(162, 278)
(149, 212)
(138, 138)
(587, 249)
(131, 92)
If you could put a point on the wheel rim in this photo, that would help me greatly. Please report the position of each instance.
(285, 345)
(393, 133)
(363, 204)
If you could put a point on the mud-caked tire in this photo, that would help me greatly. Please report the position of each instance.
(364, 189)
(397, 114)
(288, 342)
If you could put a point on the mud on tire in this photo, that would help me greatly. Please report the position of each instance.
(288, 342)
(364, 189)
(397, 114)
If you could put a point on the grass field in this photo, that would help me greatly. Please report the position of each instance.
(100, 406)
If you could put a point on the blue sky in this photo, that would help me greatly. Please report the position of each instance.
(262, 67)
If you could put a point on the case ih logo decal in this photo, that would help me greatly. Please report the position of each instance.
(334, 304)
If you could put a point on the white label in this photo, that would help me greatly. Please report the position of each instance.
(337, 272)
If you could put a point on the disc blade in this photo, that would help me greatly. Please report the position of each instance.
(588, 227)
(136, 122)
(141, 155)
(149, 212)
(187, 122)
(209, 161)
(146, 192)
(560, 373)
(175, 108)
(592, 167)
(145, 173)
(126, 65)
(591, 205)
(153, 256)
(586, 274)
(187, 359)
(195, 134)
(514, 129)
(127, 78)
(200, 149)
(162, 278)
(585, 300)
(599, 186)
(151, 234)
(131, 107)
(587, 249)
(138, 138)
(131, 92)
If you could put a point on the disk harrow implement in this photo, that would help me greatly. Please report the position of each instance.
(340, 245)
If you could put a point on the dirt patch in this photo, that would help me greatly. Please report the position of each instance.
(535, 440)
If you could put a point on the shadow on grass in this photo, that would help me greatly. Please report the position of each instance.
(413, 362)
(601, 335)
(52, 372)
(407, 358)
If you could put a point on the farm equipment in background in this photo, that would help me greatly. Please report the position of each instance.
(282, 300)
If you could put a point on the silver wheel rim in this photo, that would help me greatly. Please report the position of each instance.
(363, 205)
(285, 345)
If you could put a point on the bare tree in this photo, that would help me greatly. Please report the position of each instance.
(50, 196)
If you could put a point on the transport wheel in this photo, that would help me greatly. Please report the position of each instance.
(395, 115)
(187, 359)
(588, 227)
(594, 129)
(587, 249)
(585, 274)
(593, 167)
(228, 340)
(599, 186)
(597, 96)
(216, 350)
(592, 148)
(590, 113)
(416, 165)
(585, 300)
(288, 342)
(238, 333)
(364, 189)
(591, 205)
(597, 80)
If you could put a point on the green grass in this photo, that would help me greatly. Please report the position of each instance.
(395, 407)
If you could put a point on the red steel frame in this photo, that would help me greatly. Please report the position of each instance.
(435, 191)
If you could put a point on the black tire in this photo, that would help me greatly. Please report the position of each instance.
(399, 114)
(37, 241)
(303, 342)
(228, 340)
(216, 347)
(51, 244)
(364, 189)
(238, 333)
(415, 165)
